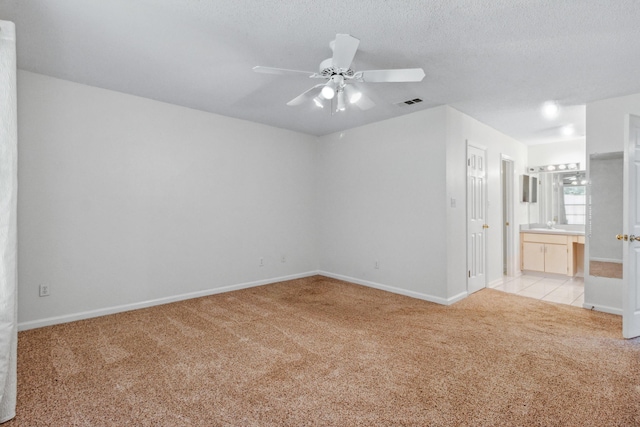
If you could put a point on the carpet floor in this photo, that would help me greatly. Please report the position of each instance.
(322, 352)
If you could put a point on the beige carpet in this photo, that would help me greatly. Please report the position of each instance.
(321, 352)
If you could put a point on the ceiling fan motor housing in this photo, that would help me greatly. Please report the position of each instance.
(327, 69)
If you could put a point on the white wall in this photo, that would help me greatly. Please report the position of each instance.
(460, 129)
(558, 152)
(386, 191)
(606, 129)
(125, 200)
(606, 123)
(381, 191)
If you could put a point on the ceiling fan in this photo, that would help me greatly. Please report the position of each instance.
(340, 77)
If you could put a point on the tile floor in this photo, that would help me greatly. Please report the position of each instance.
(559, 289)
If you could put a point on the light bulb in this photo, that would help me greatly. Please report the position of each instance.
(572, 166)
(551, 168)
(353, 94)
(327, 92)
(562, 167)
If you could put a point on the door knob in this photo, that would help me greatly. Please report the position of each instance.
(485, 226)
(622, 237)
(636, 238)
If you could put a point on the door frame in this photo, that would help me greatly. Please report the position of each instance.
(507, 201)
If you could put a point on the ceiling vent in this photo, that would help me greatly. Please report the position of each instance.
(409, 102)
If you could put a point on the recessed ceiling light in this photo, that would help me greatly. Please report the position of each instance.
(550, 110)
(568, 130)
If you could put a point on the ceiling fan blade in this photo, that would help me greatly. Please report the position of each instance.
(281, 71)
(399, 75)
(344, 49)
(303, 96)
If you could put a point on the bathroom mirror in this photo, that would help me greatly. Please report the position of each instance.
(605, 214)
(562, 198)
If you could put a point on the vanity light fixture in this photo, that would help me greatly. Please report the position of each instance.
(552, 168)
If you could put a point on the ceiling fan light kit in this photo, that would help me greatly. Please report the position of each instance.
(341, 78)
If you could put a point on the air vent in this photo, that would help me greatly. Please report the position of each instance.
(409, 102)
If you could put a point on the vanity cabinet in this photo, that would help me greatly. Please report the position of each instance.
(549, 253)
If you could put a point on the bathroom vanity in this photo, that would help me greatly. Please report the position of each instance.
(552, 251)
(553, 240)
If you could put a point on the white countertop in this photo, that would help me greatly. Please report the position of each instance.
(553, 231)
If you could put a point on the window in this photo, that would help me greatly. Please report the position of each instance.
(575, 202)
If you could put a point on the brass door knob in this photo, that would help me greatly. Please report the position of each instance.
(622, 237)
(636, 238)
(485, 226)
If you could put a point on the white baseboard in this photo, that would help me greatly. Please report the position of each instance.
(39, 323)
(615, 261)
(494, 283)
(602, 308)
(392, 289)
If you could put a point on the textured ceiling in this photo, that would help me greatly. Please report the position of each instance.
(496, 61)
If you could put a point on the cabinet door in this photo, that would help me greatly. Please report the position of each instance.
(555, 258)
(533, 256)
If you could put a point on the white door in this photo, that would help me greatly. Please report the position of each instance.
(476, 218)
(631, 251)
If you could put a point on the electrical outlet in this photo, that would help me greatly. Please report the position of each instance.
(261, 262)
(44, 290)
(376, 264)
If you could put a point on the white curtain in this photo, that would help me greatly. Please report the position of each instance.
(8, 200)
